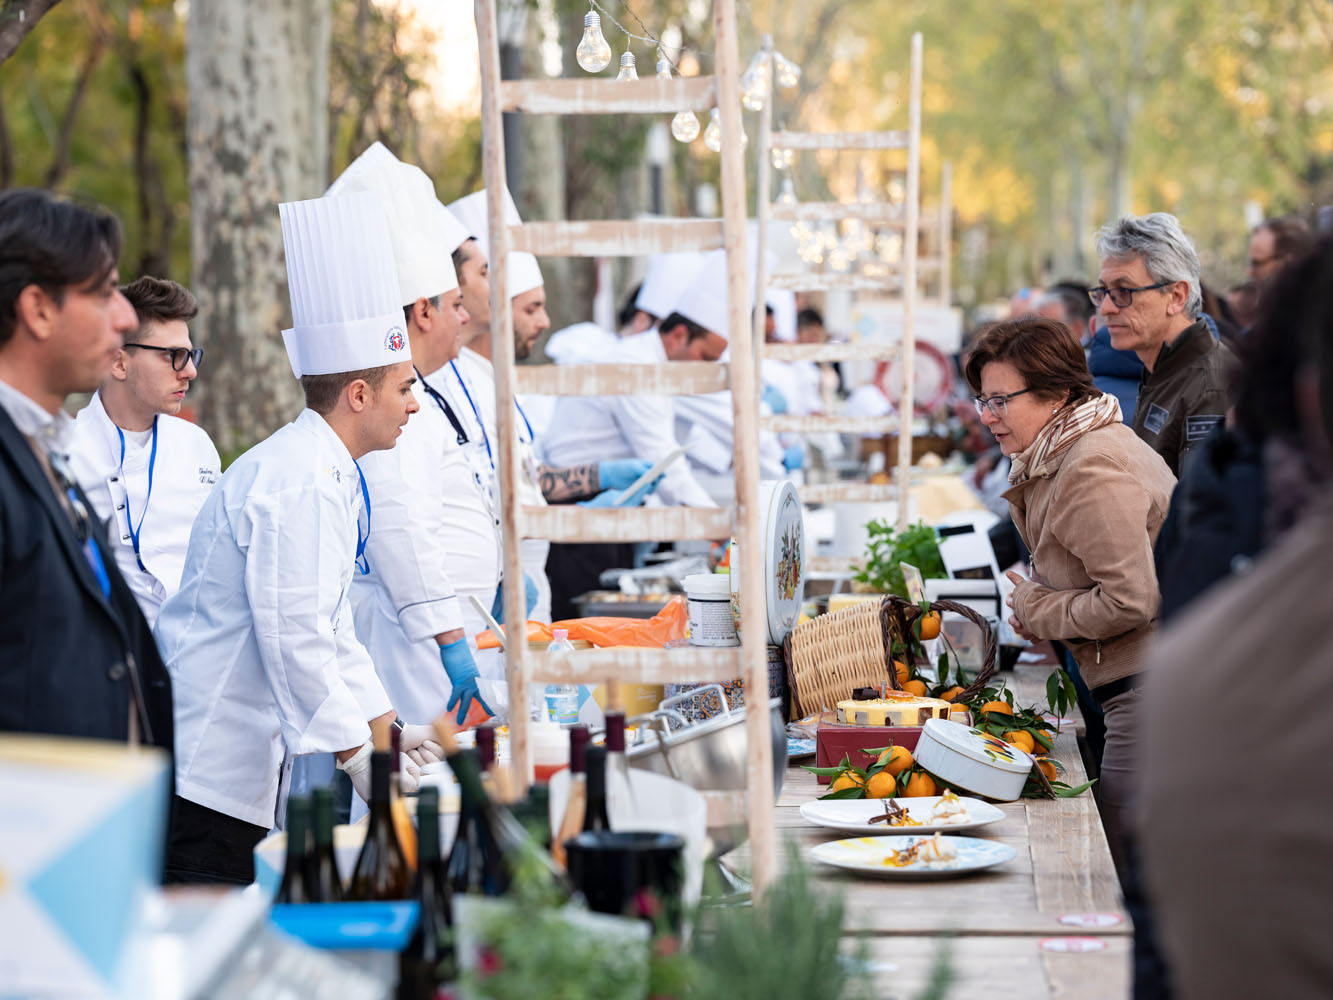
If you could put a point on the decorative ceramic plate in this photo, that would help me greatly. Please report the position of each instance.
(796, 749)
(869, 856)
(854, 815)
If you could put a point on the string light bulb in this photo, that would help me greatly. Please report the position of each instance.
(684, 124)
(593, 54)
(663, 68)
(713, 133)
(628, 71)
(786, 72)
(787, 193)
(754, 82)
(782, 158)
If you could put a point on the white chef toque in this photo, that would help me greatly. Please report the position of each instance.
(343, 287)
(523, 274)
(705, 300)
(424, 268)
(669, 275)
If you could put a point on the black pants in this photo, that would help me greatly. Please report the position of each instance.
(575, 568)
(209, 846)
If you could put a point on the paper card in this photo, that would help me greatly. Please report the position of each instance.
(916, 586)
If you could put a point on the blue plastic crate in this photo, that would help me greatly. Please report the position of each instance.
(381, 926)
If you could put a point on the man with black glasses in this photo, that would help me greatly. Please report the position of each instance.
(1148, 296)
(145, 469)
(76, 656)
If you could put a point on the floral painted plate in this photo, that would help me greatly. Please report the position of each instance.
(798, 749)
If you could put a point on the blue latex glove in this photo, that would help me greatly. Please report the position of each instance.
(620, 473)
(530, 596)
(612, 498)
(462, 671)
(776, 401)
(793, 458)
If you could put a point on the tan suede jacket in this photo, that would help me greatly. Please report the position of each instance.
(1090, 526)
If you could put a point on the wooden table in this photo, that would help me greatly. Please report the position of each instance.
(994, 922)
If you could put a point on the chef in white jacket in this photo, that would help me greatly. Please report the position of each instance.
(259, 640)
(436, 542)
(147, 471)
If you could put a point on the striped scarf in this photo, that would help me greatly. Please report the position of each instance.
(1060, 433)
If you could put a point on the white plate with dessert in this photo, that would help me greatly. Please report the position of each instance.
(926, 814)
(905, 856)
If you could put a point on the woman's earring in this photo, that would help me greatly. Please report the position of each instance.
(1055, 410)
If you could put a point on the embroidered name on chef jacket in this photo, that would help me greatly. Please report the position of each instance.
(1197, 427)
(1156, 418)
(207, 476)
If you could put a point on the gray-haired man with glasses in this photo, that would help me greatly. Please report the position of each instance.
(1148, 296)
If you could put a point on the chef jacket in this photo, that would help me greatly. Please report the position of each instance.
(183, 471)
(705, 421)
(259, 639)
(586, 429)
(435, 541)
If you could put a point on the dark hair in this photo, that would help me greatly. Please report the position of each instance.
(51, 243)
(322, 391)
(157, 300)
(434, 300)
(809, 317)
(1291, 236)
(1047, 358)
(675, 319)
(629, 310)
(1073, 296)
(460, 258)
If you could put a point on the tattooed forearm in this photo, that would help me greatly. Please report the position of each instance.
(569, 483)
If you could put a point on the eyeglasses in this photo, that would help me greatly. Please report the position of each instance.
(1121, 297)
(179, 355)
(996, 404)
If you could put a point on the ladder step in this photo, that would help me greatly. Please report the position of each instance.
(616, 237)
(828, 282)
(843, 425)
(840, 140)
(572, 523)
(675, 378)
(879, 212)
(606, 95)
(637, 666)
(857, 350)
(848, 493)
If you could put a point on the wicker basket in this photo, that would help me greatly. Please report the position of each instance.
(833, 655)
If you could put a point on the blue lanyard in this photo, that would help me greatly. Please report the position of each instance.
(481, 423)
(129, 518)
(446, 409)
(362, 564)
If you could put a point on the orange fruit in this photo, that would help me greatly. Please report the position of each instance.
(917, 688)
(899, 760)
(881, 786)
(930, 626)
(1020, 738)
(949, 694)
(1048, 768)
(848, 779)
(900, 669)
(919, 784)
(1002, 707)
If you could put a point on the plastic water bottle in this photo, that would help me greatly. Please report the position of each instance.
(562, 700)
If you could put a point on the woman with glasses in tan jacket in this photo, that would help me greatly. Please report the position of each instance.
(1088, 497)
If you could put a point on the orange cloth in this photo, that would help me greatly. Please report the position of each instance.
(653, 633)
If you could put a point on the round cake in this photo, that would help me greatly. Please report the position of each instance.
(893, 710)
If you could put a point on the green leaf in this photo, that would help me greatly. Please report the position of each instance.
(1042, 738)
(1066, 792)
(846, 793)
(824, 772)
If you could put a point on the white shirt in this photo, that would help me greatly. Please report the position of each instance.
(50, 430)
(587, 429)
(184, 470)
(259, 639)
(434, 542)
(705, 422)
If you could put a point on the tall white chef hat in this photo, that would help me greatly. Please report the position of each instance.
(346, 313)
(424, 268)
(669, 274)
(523, 272)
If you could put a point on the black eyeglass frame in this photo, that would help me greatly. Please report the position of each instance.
(195, 354)
(1098, 294)
(989, 402)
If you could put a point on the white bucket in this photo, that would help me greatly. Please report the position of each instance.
(708, 605)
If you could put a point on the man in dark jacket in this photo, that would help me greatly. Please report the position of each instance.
(76, 656)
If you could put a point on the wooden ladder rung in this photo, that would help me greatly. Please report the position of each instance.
(849, 493)
(616, 237)
(674, 378)
(831, 565)
(637, 666)
(840, 140)
(843, 425)
(827, 282)
(856, 350)
(606, 95)
(572, 523)
(878, 212)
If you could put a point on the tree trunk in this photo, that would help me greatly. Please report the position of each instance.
(257, 74)
(60, 160)
(17, 18)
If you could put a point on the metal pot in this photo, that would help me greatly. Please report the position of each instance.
(709, 755)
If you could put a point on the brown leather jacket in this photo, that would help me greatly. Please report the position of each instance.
(1090, 526)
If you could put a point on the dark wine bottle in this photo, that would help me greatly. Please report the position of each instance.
(293, 888)
(476, 861)
(381, 870)
(428, 959)
(321, 869)
(594, 813)
(576, 805)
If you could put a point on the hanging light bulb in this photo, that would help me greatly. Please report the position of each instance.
(628, 71)
(782, 158)
(685, 126)
(713, 133)
(754, 82)
(663, 68)
(786, 72)
(593, 53)
(787, 193)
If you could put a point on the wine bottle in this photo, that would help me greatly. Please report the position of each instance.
(617, 764)
(402, 819)
(575, 805)
(381, 870)
(594, 814)
(293, 888)
(427, 961)
(321, 870)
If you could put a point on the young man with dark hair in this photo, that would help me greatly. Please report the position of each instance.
(76, 657)
(146, 470)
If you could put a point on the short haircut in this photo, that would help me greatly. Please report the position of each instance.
(322, 391)
(434, 301)
(1166, 251)
(51, 243)
(1291, 236)
(157, 300)
(675, 319)
(630, 309)
(809, 317)
(460, 256)
(1046, 357)
(1073, 296)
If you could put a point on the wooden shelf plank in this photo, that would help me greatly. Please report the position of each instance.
(849, 493)
(827, 282)
(676, 378)
(606, 95)
(840, 140)
(572, 523)
(856, 350)
(878, 212)
(816, 425)
(637, 666)
(616, 237)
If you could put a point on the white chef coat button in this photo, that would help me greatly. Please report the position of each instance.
(117, 671)
(124, 538)
(120, 506)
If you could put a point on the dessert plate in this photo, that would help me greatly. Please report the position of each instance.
(870, 856)
(854, 815)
